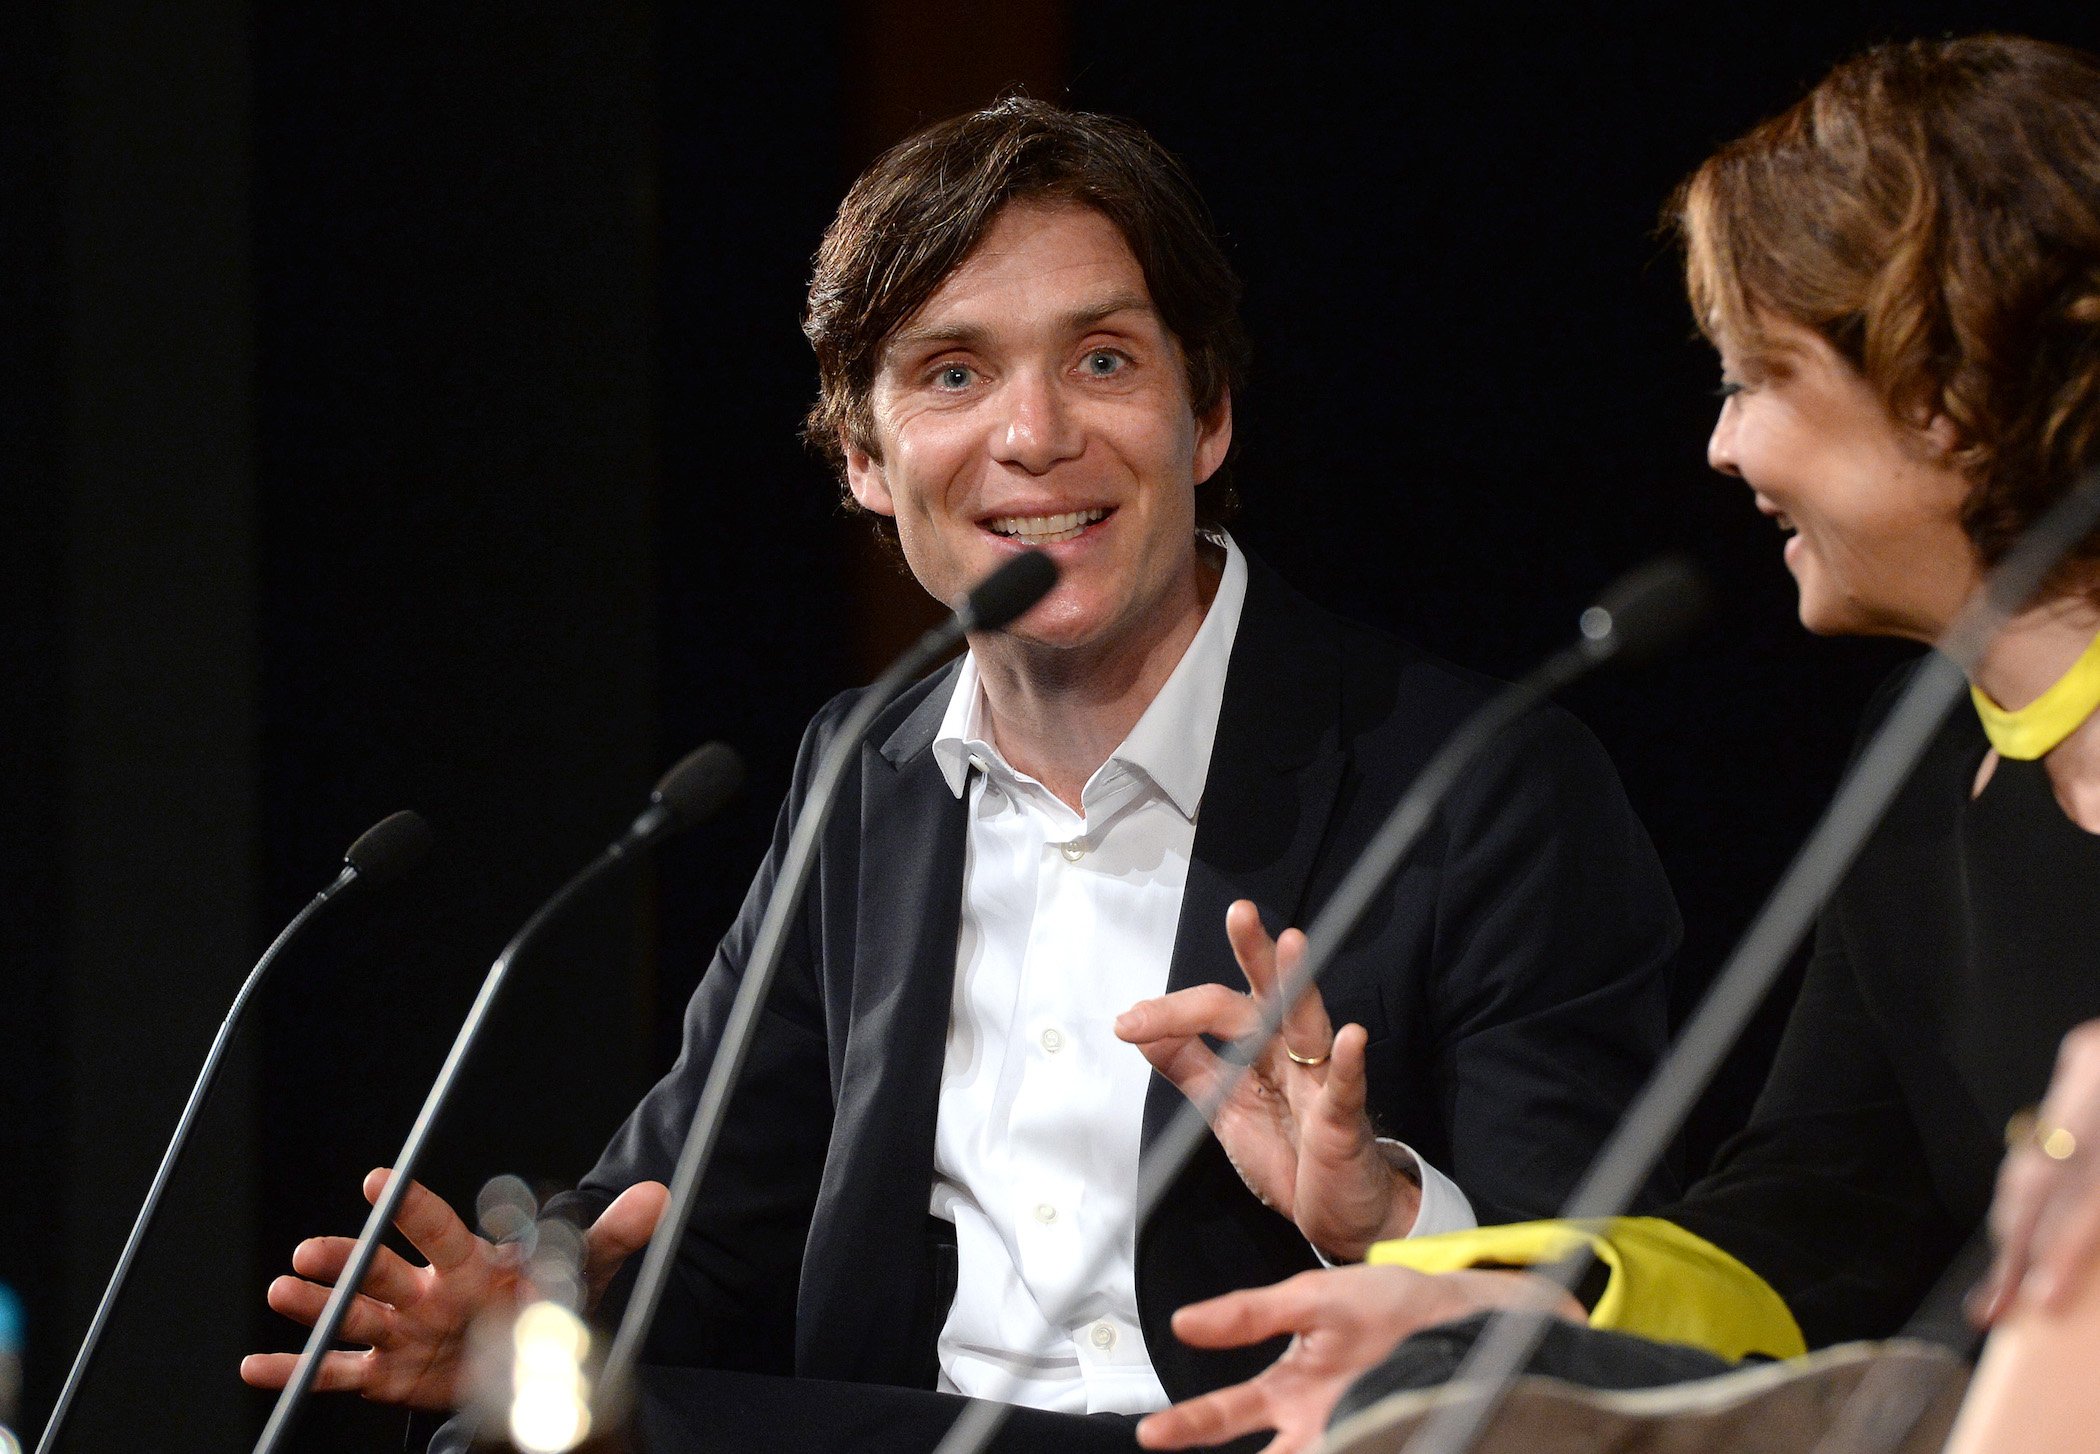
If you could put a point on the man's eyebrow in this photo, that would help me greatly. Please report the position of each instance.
(1085, 318)
(970, 335)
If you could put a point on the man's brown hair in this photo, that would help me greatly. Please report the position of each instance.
(919, 211)
(1932, 210)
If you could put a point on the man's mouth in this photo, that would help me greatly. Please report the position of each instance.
(1045, 529)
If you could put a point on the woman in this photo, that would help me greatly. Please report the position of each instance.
(1902, 277)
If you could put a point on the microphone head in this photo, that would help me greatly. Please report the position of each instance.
(1001, 597)
(1647, 611)
(390, 847)
(697, 785)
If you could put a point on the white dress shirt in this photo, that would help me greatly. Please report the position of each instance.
(1068, 919)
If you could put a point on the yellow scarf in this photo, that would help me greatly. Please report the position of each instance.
(2048, 719)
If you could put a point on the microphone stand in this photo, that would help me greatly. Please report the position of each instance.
(400, 838)
(1877, 775)
(706, 777)
(1646, 610)
(1000, 598)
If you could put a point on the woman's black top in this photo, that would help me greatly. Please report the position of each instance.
(1946, 970)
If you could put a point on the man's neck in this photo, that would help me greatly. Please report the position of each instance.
(1056, 714)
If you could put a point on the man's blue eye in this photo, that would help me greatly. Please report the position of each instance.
(955, 376)
(1101, 361)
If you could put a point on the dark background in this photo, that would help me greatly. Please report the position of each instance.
(398, 406)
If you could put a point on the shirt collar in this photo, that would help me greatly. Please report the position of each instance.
(1171, 743)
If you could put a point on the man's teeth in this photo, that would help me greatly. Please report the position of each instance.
(1785, 523)
(1046, 529)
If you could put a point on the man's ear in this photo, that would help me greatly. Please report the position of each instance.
(1213, 437)
(865, 477)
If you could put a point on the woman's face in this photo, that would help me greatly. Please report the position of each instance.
(1870, 505)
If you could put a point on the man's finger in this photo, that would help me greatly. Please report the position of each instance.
(2065, 1241)
(427, 1221)
(1192, 1067)
(364, 1320)
(338, 1373)
(1240, 1318)
(1212, 1418)
(624, 1228)
(390, 1278)
(1306, 1028)
(1204, 1009)
(1251, 945)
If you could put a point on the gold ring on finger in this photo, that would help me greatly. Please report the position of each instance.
(1320, 1059)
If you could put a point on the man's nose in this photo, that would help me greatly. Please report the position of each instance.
(1039, 428)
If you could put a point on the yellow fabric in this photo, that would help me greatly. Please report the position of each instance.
(1665, 1283)
(2048, 719)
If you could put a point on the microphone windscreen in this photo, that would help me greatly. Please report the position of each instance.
(1648, 610)
(699, 783)
(1003, 595)
(390, 847)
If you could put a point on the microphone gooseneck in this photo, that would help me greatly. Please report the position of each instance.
(1876, 776)
(1001, 598)
(384, 851)
(699, 785)
(1645, 611)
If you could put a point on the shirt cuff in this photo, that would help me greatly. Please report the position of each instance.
(1443, 1207)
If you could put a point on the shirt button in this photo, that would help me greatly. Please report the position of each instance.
(1053, 1040)
(1102, 1336)
(1045, 1213)
(1073, 851)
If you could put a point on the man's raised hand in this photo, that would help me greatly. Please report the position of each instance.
(414, 1320)
(1295, 1127)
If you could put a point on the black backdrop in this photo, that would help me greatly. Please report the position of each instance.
(399, 408)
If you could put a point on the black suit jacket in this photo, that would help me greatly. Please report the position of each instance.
(1511, 981)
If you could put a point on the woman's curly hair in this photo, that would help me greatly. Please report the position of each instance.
(1932, 210)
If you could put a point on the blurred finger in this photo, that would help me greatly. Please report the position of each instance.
(1212, 1418)
(428, 1222)
(1239, 1318)
(364, 1320)
(624, 1228)
(390, 1278)
(2064, 1243)
(338, 1373)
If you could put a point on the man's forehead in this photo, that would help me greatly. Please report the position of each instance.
(1065, 261)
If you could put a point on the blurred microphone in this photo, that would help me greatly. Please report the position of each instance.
(1651, 1123)
(384, 851)
(997, 601)
(1644, 613)
(693, 790)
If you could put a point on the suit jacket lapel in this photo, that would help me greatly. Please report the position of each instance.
(880, 1170)
(1274, 774)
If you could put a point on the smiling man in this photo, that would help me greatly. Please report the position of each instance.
(1030, 899)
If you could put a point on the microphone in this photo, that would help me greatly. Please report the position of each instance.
(1645, 612)
(1876, 776)
(997, 601)
(382, 852)
(695, 788)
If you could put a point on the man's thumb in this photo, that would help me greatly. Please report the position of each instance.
(623, 1228)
